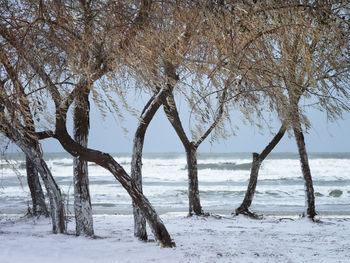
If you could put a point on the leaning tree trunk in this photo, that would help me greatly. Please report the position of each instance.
(56, 203)
(304, 161)
(249, 195)
(106, 161)
(29, 147)
(82, 201)
(146, 117)
(37, 194)
(193, 192)
(254, 172)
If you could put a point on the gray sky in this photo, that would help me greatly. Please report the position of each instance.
(106, 135)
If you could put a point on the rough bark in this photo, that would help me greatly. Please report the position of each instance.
(191, 148)
(106, 161)
(82, 200)
(253, 179)
(56, 203)
(29, 143)
(193, 192)
(303, 157)
(29, 148)
(305, 168)
(191, 156)
(147, 115)
(36, 192)
(102, 159)
(136, 174)
(254, 172)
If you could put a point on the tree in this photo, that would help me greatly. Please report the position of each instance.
(147, 114)
(168, 31)
(62, 101)
(281, 52)
(300, 54)
(191, 149)
(198, 83)
(314, 60)
(17, 124)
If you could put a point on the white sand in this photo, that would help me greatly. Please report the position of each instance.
(198, 239)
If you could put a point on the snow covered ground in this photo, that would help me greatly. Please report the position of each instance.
(198, 239)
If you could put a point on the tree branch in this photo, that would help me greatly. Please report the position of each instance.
(172, 114)
(216, 120)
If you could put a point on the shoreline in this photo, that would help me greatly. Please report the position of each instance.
(271, 213)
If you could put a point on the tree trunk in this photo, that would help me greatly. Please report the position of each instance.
(82, 201)
(146, 117)
(29, 147)
(38, 199)
(191, 156)
(254, 172)
(136, 174)
(248, 198)
(193, 192)
(56, 203)
(304, 161)
(106, 161)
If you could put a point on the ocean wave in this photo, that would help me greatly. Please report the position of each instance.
(223, 180)
(223, 166)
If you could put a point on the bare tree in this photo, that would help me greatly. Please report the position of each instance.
(17, 124)
(298, 58)
(282, 53)
(197, 80)
(169, 31)
(62, 101)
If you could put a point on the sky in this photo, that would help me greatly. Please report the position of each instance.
(108, 136)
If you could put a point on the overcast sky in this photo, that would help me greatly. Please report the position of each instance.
(107, 135)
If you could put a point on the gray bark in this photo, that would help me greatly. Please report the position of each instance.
(191, 156)
(82, 200)
(136, 174)
(305, 168)
(36, 192)
(106, 161)
(254, 172)
(191, 148)
(193, 192)
(146, 117)
(249, 195)
(28, 146)
(56, 203)
(304, 160)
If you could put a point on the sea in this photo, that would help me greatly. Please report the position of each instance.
(223, 180)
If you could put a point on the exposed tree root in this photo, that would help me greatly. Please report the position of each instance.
(248, 213)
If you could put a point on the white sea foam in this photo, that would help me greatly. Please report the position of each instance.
(223, 180)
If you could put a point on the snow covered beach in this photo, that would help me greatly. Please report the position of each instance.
(198, 239)
(279, 237)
